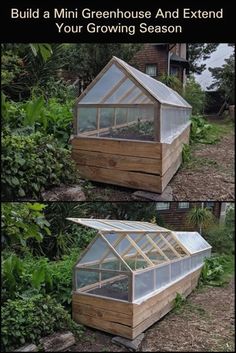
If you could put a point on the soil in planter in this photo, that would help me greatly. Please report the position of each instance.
(116, 290)
(140, 131)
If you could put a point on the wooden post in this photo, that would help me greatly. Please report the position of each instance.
(157, 122)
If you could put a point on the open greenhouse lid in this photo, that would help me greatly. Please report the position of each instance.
(119, 80)
(108, 225)
(193, 241)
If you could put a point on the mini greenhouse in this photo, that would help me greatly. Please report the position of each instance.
(129, 129)
(129, 275)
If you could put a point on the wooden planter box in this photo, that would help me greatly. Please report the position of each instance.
(129, 319)
(130, 163)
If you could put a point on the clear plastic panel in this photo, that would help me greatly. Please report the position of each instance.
(131, 96)
(186, 265)
(176, 271)
(95, 253)
(173, 121)
(196, 260)
(94, 223)
(193, 241)
(87, 119)
(162, 276)
(121, 116)
(103, 85)
(120, 92)
(112, 285)
(143, 284)
(107, 116)
(159, 90)
(84, 278)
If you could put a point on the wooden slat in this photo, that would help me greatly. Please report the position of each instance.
(115, 252)
(107, 160)
(123, 147)
(141, 253)
(103, 303)
(107, 326)
(168, 149)
(133, 180)
(107, 315)
(165, 179)
(157, 248)
(170, 246)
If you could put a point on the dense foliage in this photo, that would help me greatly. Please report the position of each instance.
(28, 319)
(223, 79)
(32, 163)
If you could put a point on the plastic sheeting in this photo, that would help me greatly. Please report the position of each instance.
(192, 241)
(173, 120)
(159, 90)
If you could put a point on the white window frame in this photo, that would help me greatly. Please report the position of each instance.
(183, 205)
(164, 206)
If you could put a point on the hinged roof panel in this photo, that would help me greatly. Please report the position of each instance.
(193, 241)
(105, 225)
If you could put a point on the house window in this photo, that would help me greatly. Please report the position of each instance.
(162, 206)
(209, 205)
(151, 70)
(183, 205)
(174, 70)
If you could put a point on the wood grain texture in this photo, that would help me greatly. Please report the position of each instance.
(127, 319)
(122, 147)
(108, 160)
(134, 180)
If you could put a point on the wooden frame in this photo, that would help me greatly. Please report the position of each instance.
(133, 313)
(129, 319)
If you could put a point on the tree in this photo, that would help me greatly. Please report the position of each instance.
(85, 60)
(200, 217)
(223, 79)
(198, 52)
(194, 95)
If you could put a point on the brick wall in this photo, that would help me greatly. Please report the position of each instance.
(151, 54)
(176, 218)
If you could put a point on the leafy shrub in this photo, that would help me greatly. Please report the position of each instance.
(179, 302)
(195, 96)
(186, 154)
(29, 319)
(37, 114)
(22, 222)
(32, 163)
(37, 275)
(221, 237)
(212, 271)
(201, 130)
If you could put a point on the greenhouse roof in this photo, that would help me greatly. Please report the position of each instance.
(117, 225)
(128, 240)
(120, 83)
(193, 241)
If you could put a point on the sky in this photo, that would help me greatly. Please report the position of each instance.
(222, 52)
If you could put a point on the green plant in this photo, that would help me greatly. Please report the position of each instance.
(37, 114)
(22, 222)
(201, 131)
(186, 154)
(221, 237)
(33, 163)
(212, 271)
(173, 82)
(179, 302)
(195, 96)
(200, 217)
(29, 319)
